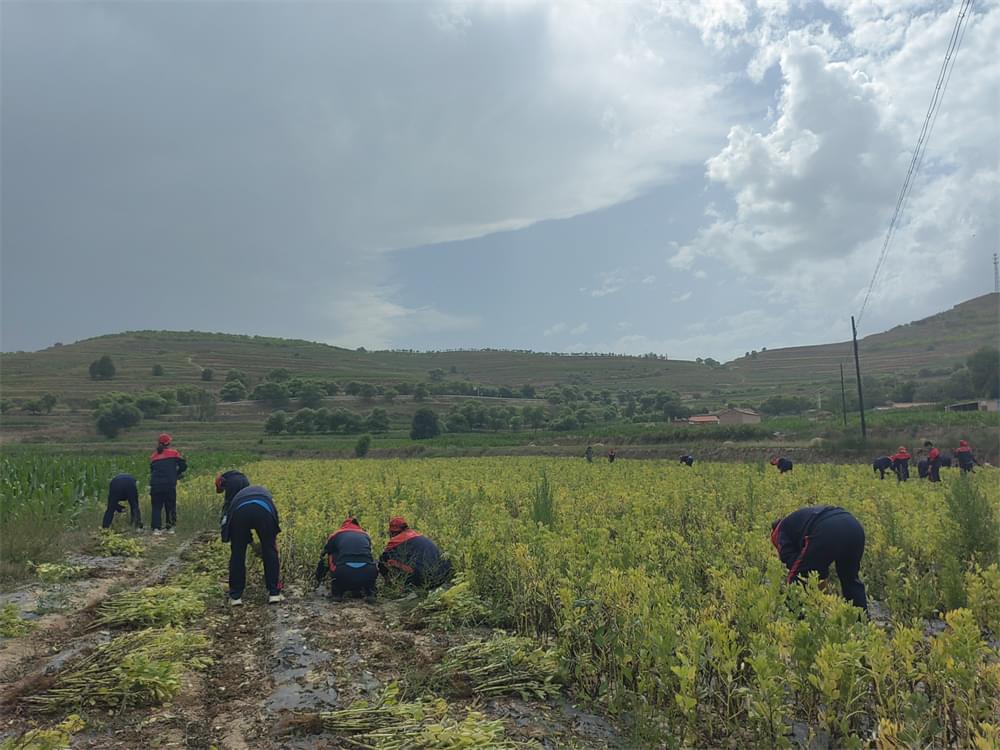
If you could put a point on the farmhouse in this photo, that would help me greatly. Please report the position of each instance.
(703, 419)
(738, 416)
(981, 405)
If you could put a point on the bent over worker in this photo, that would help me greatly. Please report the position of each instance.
(963, 454)
(252, 510)
(347, 556)
(123, 488)
(166, 466)
(882, 464)
(782, 463)
(230, 482)
(687, 459)
(812, 538)
(413, 557)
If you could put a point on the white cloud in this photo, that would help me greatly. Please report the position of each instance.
(555, 329)
(649, 279)
(610, 282)
(682, 297)
(579, 330)
(700, 275)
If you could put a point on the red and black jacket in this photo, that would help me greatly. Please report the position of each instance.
(790, 536)
(348, 544)
(963, 454)
(410, 552)
(165, 468)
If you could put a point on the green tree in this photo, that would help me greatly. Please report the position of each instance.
(984, 372)
(303, 422)
(389, 394)
(273, 393)
(240, 376)
(151, 405)
(233, 390)
(311, 394)
(115, 416)
(527, 391)
(363, 445)
(436, 375)
(102, 369)
(420, 392)
(5, 405)
(205, 406)
(332, 389)
(378, 421)
(278, 375)
(276, 423)
(207, 373)
(157, 370)
(425, 424)
(368, 392)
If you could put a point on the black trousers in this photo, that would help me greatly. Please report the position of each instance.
(839, 539)
(355, 580)
(247, 519)
(934, 471)
(114, 506)
(164, 500)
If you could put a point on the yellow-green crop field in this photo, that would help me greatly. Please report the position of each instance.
(660, 590)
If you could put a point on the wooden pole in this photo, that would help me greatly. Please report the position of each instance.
(857, 371)
(843, 394)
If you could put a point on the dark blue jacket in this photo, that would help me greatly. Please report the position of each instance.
(789, 536)
(882, 463)
(252, 496)
(784, 464)
(230, 482)
(123, 487)
(165, 468)
(689, 460)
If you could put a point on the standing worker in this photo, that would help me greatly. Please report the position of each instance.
(347, 556)
(933, 462)
(589, 454)
(687, 460)
(123, 487)
(963, 454)
(413, 556)
(252, 509)
(166, 466)
(882, 464)
(783, 463)
(812, 538)
(611, 455)
(901, 463)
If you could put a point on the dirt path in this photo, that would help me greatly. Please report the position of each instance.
(270, 665)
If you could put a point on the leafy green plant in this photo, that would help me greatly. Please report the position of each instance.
(12, 625)
(112, 544)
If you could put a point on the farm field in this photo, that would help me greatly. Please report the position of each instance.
(649, 604)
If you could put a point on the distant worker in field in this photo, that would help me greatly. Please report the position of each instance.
(612, 454)
(901, 463)
(933, 462)
(166, 466)
(963, 454)
(882, 464)
(413, 557)
(782, 463)
(589, 454)
(252, 509)
(347, 557)
(812, 538)
(123, 488)
(687, 460)
(922, 468)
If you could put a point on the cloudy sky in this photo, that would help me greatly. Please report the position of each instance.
(695, 179)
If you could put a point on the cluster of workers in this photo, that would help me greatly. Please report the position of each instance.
(808, 541)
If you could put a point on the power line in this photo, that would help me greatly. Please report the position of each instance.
(944, 77)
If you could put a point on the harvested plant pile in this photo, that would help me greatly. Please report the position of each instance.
(451, 607)
(56, 572)
(501, 665)
(112, 544)
(153, 605)
(134, 669)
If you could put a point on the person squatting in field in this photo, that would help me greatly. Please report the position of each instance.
(413, 557)
(252, 509)
(882, 464)
(166, 466)
(901, 463)
(963, 454)
(687, 460)
(589, 454)
(123, 488)
(347, 557)
(784, 464)
(811, 538)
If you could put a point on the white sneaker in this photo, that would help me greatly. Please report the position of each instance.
(275, 598)
(235, 602)
(157, 532)
(171, 531)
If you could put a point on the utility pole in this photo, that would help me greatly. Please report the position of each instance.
(843, 394)
(996, 273)
(857, 371)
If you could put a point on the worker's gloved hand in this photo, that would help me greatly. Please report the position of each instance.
(119, 508)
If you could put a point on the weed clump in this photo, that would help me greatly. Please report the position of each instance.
(112, 544)
(57, 572)
(12, 624)
(56, 738)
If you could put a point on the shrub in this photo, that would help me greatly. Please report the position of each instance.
(102, 369)
(276, 423)
(363, 445)
(207, 373)
(425, 425)
(233, 390)
(157, 370)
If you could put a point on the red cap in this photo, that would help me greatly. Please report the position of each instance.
(165, 439)
(964, 443)
(774, 460)
(218, 482)
(397, 524)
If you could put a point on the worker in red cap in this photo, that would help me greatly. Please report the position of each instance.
(166, 466)
(901, 463)
(963, 453)
(412, 557)
(347, 556)
(933, 461)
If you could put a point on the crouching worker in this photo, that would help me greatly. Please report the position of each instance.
(812, 538)
(347, 556)
(882, 464)
(123, 488)
(782, 463)
(687, 459)
(413, 557)
(966, 461)
(901, 463)
(252, 509)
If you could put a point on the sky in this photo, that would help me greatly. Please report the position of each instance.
(694, 179)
